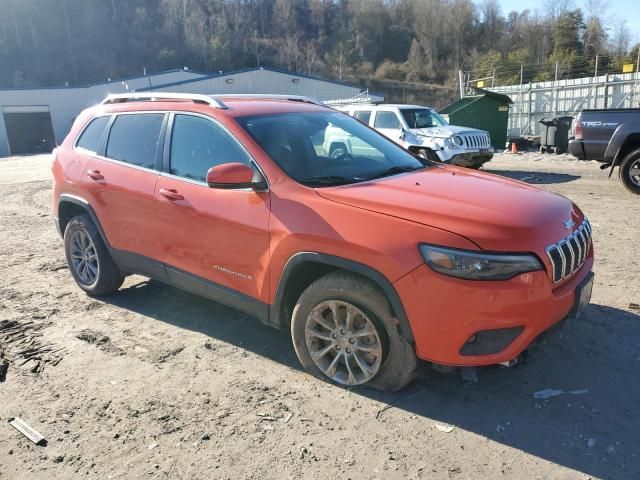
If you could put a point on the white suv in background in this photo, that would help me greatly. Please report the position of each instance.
(420, 130)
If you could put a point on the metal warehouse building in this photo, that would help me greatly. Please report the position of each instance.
(36, 120)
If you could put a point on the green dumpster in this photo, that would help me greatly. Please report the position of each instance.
(484, 110)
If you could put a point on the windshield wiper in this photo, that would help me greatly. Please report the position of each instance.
(394, 171)
(329, 180)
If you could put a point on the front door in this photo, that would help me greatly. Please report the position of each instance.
(213, 240)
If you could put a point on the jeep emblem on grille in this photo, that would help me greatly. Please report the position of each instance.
(569, 224)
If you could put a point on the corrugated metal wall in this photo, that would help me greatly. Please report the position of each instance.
(534, 101)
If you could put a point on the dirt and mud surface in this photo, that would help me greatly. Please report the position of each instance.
(153, 382)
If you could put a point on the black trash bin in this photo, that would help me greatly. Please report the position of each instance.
(554, 135)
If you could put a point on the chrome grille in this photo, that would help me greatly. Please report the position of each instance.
(569, 254)
(476, 140)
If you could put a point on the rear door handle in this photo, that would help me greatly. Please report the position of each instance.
(171, 194)
(95, 175)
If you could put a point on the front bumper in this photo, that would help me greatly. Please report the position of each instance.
(445, 312)
(465, 158)
(576, 149)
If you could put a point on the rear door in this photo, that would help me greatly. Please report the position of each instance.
(214, 241)
(120, 181)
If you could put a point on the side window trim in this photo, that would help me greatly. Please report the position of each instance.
(102, 145)
(166, 158)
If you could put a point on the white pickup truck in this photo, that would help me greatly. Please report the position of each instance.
(421, 130)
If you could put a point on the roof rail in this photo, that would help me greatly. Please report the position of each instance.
(268, 96)
(160, 96)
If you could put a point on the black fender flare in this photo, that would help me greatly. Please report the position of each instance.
(86, 206)
(620, 136)
(349, 265)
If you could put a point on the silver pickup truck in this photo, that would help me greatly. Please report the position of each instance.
(420, 130)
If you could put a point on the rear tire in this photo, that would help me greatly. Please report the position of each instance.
(542, 149)
(630, 172)
(364, 351)
(428, 154)
(88, 259)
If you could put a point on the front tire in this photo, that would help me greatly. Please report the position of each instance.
(88, 259)
(343, 331)
(630, 172)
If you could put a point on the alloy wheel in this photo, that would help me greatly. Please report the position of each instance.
(84, 257)
(343, 342)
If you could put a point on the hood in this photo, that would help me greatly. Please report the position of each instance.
(494, 212)
(445, 132)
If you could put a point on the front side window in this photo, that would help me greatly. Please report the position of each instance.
(326, 148)
(197, 144)
(422, 118)
(134, 138)
(387, 120)
(90, 137)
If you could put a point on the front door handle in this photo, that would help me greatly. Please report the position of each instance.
(171, 194)
(95, 175)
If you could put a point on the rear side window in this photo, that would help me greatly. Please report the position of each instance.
(197, 144)
(363, 115)
(386, 120)
(90, 137)
(134, 138)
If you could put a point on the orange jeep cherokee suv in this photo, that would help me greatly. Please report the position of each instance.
(371, 258)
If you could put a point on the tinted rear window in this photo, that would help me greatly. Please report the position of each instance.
(134, 139)
(90, 138)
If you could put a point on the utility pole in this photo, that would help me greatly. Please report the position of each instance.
(596, 72)
(522, 71)
(556, 72)
(461, 80)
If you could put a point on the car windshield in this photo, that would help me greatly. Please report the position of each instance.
(327, 148)
(422, 118)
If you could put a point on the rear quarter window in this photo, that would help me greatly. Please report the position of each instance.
(90, 137)
(134, 138)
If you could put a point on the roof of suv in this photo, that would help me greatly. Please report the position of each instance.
(232, 105)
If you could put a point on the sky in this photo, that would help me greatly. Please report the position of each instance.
(618, 9)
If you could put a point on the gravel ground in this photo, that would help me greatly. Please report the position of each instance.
(154, 382)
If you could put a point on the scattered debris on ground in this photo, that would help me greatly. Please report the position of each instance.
(27, 430)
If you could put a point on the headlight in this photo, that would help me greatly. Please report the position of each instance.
(457, 140)
(474, 265)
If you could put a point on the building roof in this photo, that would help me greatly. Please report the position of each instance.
(496, 96)
(222, 74)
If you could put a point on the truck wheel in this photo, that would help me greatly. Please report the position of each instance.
(630, 172)
(337, 150)
(428, 154)
(88, 258)
(343, 331)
